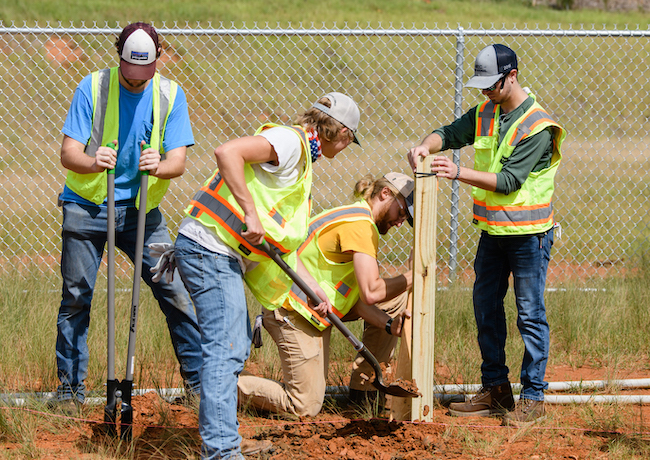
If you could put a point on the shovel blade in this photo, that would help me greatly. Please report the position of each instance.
(396, 390)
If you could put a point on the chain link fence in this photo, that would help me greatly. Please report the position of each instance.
(406, 81)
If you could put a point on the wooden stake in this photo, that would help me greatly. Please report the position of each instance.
(424, 288)
(400, 408)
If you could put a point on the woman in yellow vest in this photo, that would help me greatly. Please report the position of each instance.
(261, 189)
(341, 254)
(517, 152)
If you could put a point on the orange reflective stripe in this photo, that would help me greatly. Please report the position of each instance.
(327, 218)
(486, 117)
(299, 296)
(505, 216)
(275, 215)
(479, 211)
(528, 124)
(343, 289)
(207, 200)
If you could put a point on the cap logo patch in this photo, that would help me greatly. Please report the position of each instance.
(140, 55)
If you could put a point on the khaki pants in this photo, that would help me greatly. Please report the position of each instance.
(380, 343)
(304, 354)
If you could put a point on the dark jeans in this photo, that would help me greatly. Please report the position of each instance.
(527, 258)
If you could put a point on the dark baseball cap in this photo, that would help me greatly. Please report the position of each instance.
(138, 46)
(492, 63)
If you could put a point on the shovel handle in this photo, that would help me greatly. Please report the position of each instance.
(332, 318)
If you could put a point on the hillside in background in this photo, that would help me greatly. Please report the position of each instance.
(336, 13)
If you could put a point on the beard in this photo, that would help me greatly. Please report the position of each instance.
(382, 223)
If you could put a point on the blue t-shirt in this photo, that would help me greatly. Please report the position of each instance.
(136, 121)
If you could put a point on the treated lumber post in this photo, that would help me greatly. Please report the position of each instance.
(424, 288)
(400, 408)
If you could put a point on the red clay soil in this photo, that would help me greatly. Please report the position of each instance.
(167, 431)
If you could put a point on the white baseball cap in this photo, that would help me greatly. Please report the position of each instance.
(138, 49)
(344, 110)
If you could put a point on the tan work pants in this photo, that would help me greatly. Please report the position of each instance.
(304, 354)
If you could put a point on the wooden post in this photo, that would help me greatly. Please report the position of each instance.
(419, 362)
(400, 408)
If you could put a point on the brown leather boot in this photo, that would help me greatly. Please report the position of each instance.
(496, 400)
(526, 413)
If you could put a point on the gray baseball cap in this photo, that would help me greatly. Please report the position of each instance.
(344, 110)
(492, 63)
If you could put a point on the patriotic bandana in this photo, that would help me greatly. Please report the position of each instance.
(314, 145)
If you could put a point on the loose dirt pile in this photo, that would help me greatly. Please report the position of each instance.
(167, 431)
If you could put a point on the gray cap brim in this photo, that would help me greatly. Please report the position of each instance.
(483, 82)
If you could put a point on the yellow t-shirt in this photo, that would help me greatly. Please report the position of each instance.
(340, 241)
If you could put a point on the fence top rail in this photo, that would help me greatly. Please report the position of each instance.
(344, 31)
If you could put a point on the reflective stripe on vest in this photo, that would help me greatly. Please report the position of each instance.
(338, 291)
(486, 117)
(101, 103)
(496, 212)
(220, 210)
(529, 123)
(513, 215)
(325, 219)
(216, 207)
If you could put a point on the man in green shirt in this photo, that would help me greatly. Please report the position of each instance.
(517, 153)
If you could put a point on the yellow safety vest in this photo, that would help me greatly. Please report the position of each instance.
(336, 279)
(283, 212)
(106, 126)
(528, 210)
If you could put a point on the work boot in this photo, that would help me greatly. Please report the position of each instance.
(496, 400)
(253, 446)
(527, 412)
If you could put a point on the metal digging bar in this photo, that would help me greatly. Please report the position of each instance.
(126, 418)
(394, 390)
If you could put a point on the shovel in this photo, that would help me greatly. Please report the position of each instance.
(392, 389)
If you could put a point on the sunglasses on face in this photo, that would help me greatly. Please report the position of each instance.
(501, 80)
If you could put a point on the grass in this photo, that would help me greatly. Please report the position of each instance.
(396, 12)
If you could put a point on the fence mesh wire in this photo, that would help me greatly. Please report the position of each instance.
(595, 83)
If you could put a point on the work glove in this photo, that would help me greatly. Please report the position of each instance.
(257, 331)
(166, 262)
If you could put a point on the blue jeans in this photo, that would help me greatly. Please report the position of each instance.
(216, 287)
(527, 258)
(84, 237)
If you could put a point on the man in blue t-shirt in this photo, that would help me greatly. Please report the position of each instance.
(124, 100)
